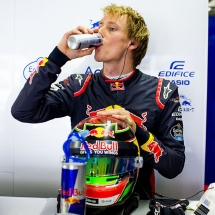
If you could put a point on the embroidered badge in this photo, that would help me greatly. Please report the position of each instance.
(177, 132)
(155, 149)
(79, 78)
(166, 91)
(117, 86)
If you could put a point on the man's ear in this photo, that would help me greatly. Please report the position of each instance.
(133, 45)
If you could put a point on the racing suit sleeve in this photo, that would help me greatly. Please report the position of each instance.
(36, 102)
(164, 150)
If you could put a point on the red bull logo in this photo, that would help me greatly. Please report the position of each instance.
(72, 192)
(155, 149)
(101, 132)
(101, 145)
(94, 24)
(40, 63)
(72, 200)
(117, 86)
(140, 121)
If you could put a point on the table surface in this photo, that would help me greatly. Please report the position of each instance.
(47, 206)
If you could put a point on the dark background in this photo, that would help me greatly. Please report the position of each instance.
(210, 130)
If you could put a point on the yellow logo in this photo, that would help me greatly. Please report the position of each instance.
(72, 200)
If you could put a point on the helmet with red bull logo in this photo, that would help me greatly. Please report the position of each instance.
(113, 167)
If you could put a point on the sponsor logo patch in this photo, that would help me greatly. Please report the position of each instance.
(177, 132)
(166, 91)
(155, 149)
(117, 86)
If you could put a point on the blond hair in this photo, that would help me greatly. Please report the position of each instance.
(137, 29)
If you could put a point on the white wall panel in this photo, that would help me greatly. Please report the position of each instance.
(37, 153)
(6, 85)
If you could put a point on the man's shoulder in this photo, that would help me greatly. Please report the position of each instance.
(79, 82)
(80, 78)
(163, 89)
(147, 77)
(156, 80)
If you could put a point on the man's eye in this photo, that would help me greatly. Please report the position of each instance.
(112, 29)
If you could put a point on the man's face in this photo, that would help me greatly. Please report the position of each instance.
(113, 29)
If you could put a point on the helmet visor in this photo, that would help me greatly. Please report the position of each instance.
(106, 166)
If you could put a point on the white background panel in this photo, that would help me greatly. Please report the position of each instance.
(178, 32)
(37, 153)
(6, 85)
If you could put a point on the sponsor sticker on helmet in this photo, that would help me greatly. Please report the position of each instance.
(101, 147)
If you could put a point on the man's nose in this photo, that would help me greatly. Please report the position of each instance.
(101, 31)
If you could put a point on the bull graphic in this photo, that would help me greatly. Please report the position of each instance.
(155, 149)
(94, 24)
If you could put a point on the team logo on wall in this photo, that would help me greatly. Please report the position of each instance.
(94, 24)
(91, 70)
(177, 132)
(186, 104)
(177, 73)
(31, 68)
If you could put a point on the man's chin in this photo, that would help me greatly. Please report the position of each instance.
(98, 59)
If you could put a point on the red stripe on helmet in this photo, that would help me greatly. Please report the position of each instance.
(106, 191)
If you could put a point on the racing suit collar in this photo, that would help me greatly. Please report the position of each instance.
(120, 80)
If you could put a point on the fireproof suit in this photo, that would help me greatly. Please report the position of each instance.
(153, 104)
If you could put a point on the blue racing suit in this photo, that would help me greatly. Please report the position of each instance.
(153, 104)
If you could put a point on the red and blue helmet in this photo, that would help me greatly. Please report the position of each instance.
(113, 167)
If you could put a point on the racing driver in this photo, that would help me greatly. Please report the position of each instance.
(148, 104)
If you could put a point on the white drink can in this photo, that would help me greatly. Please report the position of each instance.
(82, 41)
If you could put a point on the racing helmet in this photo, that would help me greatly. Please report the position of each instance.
(113, 167)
